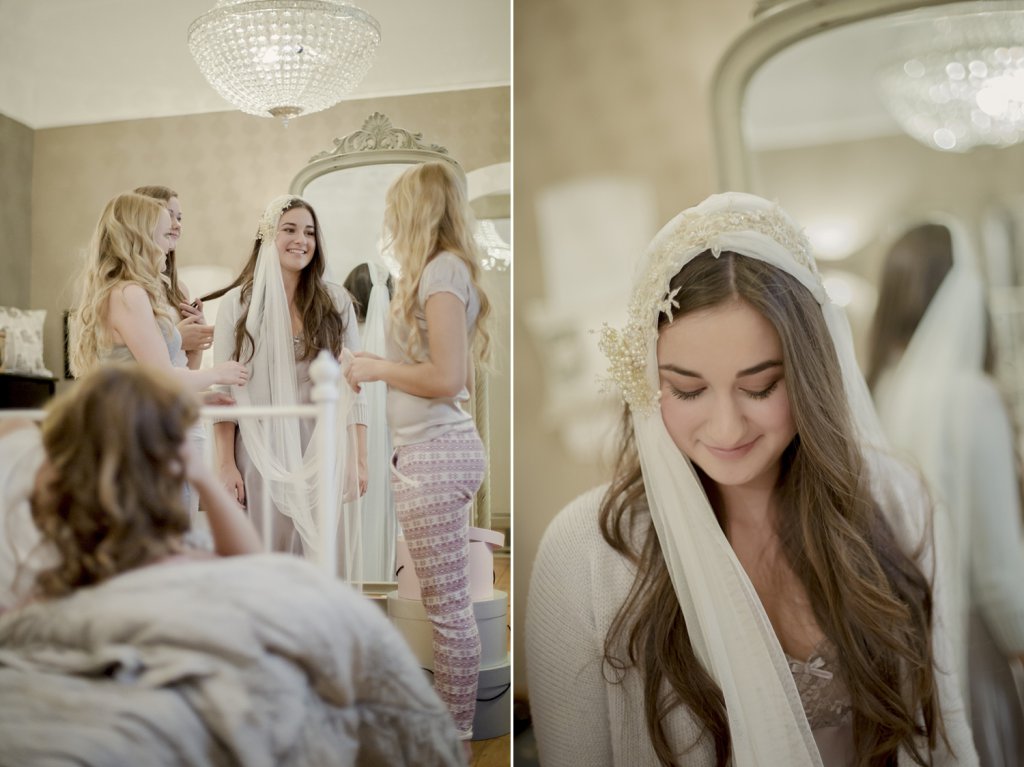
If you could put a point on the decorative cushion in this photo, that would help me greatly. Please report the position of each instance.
(23, 344)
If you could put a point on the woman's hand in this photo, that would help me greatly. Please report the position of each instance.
(231, 480)
(231, 373)
(216, 398)
(195, 334)
(364, 368)
(364, 475)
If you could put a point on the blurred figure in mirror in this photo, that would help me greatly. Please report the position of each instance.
(370, 285)
(930, 369)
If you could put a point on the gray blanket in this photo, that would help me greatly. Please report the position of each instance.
(245, 661)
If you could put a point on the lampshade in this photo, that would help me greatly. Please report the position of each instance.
(959, 81)
(284, 58)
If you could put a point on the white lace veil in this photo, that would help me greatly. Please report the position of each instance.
(731, 634)
(379, 525)
(923, 402)
(290, 469)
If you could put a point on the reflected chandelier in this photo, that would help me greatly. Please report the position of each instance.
(960, 81)
(497, 255)
(284, 58)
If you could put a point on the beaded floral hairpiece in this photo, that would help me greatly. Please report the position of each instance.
(627, 349)
(270, 217)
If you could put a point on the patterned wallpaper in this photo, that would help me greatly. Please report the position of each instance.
(15, 212)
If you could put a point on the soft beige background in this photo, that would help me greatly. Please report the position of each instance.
(600, 89)
(15, 212)
(225, 166)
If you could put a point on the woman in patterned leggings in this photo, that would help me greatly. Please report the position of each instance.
(436, 335)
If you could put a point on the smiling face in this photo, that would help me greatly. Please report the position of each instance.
(296, 239)
(162, 233)
(723, 393)
(174, 208)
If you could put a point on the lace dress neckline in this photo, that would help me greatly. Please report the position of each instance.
(822, 689)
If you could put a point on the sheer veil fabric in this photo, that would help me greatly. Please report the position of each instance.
(379, 524)
(730, 631)
(919, 398)
(292, 471)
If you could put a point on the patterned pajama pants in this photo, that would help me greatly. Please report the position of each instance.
(434, 483)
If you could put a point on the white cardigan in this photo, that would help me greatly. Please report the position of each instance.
(579, 717)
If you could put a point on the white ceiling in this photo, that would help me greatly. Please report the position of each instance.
(73, 62)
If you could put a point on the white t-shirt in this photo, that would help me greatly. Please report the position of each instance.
(418, 419)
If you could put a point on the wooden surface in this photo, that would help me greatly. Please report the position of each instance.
(497, 752)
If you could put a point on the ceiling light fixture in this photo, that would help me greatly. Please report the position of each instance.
(284, 58)
(959, 82)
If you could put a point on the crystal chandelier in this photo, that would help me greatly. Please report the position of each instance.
(960, 81)
(284, 58)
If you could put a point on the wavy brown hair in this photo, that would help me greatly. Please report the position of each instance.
(868, 596)
(113, 499)
(322, 326)
(175, 295)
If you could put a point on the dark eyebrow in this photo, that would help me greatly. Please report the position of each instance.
(742, 374)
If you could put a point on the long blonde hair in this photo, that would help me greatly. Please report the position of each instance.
(426, 213)
(114, 496)
(122, 250)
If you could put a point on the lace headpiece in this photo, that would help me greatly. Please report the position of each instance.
(732, 221)
(272, 214)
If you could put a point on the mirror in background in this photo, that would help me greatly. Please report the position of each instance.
(822, 133)
(347, 186)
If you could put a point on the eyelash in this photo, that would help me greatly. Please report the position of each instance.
(756, 395)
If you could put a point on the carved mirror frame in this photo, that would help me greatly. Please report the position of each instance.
(379, 142)
(776, 26)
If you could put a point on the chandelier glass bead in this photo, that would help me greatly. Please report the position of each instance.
(959, 82)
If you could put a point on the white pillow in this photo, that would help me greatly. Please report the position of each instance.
(23, 348)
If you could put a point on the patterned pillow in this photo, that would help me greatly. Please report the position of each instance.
(23, 346)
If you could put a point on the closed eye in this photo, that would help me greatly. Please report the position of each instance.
(686, 395)
(764, 393)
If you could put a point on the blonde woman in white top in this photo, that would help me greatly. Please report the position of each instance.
(437, 333)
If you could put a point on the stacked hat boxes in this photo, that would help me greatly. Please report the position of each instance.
(490, 606)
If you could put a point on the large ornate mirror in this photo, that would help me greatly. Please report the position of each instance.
(804, 115)
(346, 185)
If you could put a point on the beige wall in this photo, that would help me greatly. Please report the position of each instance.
(15, 212)
(600, 88)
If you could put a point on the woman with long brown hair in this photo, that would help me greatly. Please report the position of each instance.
(275, 318)
(931, 369)
(756, 586)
